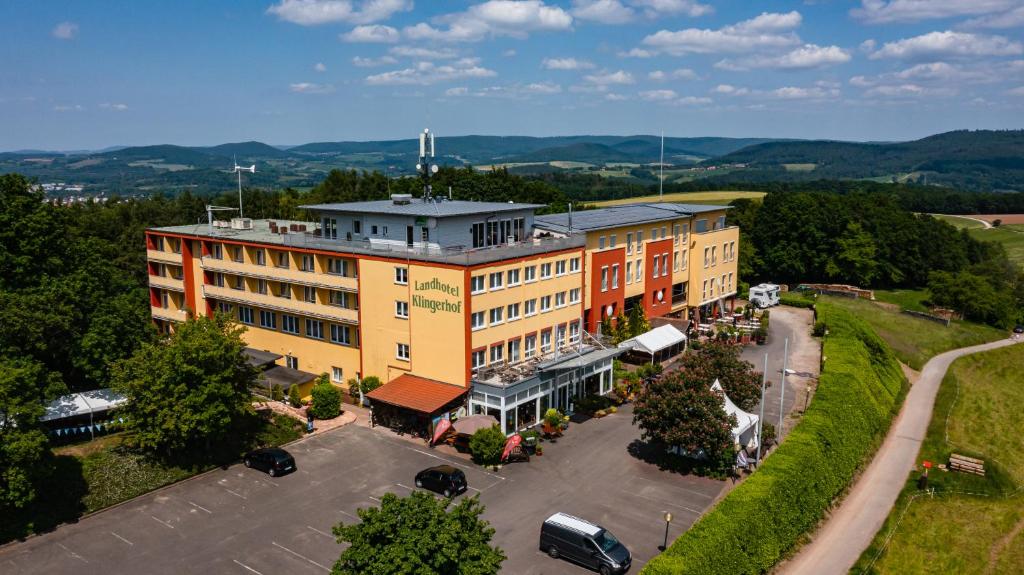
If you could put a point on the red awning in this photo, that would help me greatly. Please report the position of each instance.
(417, 393)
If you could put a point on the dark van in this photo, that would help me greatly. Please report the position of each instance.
(583, 542)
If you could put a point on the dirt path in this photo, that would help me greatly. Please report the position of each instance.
(849, 530)
(997, 549)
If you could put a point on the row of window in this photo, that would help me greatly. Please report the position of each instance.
(515, 311)
(679, 235)
(711, 254)
(518, 276)
(287, 323)
(160, 244)
(282, 259)
(610, 274)
(520, 348)
(723, 286)
(285, 290)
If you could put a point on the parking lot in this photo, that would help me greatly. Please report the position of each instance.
(237, 520)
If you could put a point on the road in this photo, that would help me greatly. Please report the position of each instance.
(850, 529)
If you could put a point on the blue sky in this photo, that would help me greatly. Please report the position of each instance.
(92, 74)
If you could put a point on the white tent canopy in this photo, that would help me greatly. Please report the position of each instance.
(655, 340)
(744, 433)
(82, 404)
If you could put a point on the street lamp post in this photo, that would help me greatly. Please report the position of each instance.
(760, 420)
(668, 520)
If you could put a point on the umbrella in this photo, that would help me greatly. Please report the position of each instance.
(472, 423)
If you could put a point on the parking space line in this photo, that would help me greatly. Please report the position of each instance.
(406, 487)
(121, 538)
(320, 532)
(246, 567)
(656, 500)
(200, 507)
(72, 553)
(300, 556)
(268, 482)
(347, 514)
(158, 520)
(473, 488)
(236, 494)
(676, 487)
(462, 465)
(374, 498)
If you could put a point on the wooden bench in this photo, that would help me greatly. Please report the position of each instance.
(965, 464)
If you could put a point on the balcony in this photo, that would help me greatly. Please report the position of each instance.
(274, 273)
(164, 257)
(292, 306)
(167, 282)
(176, 315)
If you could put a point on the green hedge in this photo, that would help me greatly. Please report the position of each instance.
(795, 300)
(754, 526)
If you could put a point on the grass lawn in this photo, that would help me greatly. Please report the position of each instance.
(1011, 236)
(722, 197)
(904, 298)
(96, 474)
(953, 531)
(915, 340)
(960, 222)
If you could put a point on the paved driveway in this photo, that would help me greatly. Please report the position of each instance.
(241, 521)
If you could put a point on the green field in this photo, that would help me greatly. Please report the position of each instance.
(904, 298)
(799, 167)
(1011, 236)
(973, 524)
(960, 222)
(915, 340)
(722, 197)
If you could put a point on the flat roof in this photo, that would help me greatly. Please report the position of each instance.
(417, 207)
(417, 393)
(624, 215)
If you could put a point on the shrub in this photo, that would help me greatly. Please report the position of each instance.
(613, 409)
(592, 403)
(762, 519)
(371, 383)
(819, 329)
(326, 401)
(277, 392)
(486, 445)
(294, 396)
(795, 300)
(767, 435)
(996, 223)
(553, 417)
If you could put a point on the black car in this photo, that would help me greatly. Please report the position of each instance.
(443, 479)
(274, 460)
(1018, 329)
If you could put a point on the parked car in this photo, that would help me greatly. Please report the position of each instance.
(274, 460)
(583, 542)
(443, 479)
(1018, 329)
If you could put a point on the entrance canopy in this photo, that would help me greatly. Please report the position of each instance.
(655, 340)
(417, 394)
(745, 430)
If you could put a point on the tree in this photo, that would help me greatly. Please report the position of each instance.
(621, 332)
(856, 258)
(24, 446)
(188, 392)
(486, 445)
(326, 399)
(680, 410)
(418, 535)
(638, 323)
(717, 360)
(294, 396)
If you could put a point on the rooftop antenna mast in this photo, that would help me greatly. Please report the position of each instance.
(661, 169)
(238, 170)
(426, 165)
(209, 214)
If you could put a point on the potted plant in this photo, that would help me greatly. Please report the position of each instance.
(552, 421)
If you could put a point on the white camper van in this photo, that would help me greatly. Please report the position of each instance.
(764, 295)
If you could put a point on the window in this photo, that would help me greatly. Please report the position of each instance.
(574, 295)
(282, 260)
(545, 341)
(560, 268)
(309, 294)
(218, 279)
(245, 314)
(425, 234)
(600, 243)
(291, 362)
(629, 243)
(560, 337)
(402, 309)
(402, 351)
(289, 323)
(217, 251)
(476, 284)
(560, 299)
(337, 298)
(704, 291)
(479, 359)
(497, 315)
(675, 260)
(574, 332)
(545, 271)
(357, 226)
(341, 334)
(513, 277)
(330, 227)
(675, 234)
(479, 238)
(223, 306)
(545, 303)
(611, 241)
(477, 320)
(260, 257)
(530, 346)
(513, 312)
(513, 350)
(236, 254)
(496, 280)
(314, 329)
(530, 273)
(158, 243)
(682, 257)
(721, 222)
(686, 231)
(604, 278)
(654, 267)
(639, 270)
(714, 255)
(732, 251)
(629, 272)
(701, 226)
(402, 276)
(238, 282)
(373, 230)
(730, 281)
(664, 232)
(654, 234)
(530, 307)
(574, 265)
(639, 241)
(337, 375)
(497, 353)
(615, 276)
(664, 264)
(268, 319)
(337, 267)
(284, 290)
(707, 256)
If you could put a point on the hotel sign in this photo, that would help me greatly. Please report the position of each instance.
(435, 304)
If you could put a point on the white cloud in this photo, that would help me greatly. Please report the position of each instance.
(511, 91)
(311, 88)
(677, 74)
(1011, 19)
(868, 45)
(603, 11)
(373, 62)
(509, 53)
(620, 77)
(692, 101)
(565, 64)
(515, 18)
(65, 31)
(658, 95)
(948, 44)
(426, 73)
(657, 75)
(1016, 91)
(68, 108)
(314, 12)
(115, 107)
(797, 93)
(768, 30)
(320, 67)
(542, 88)
(613, 97)
(423, 53)
(657, 8)
(730, 90)
(907, 91)
(637, 53)
(803, 58)
(459, 91)
(889, 11)
(372, 33)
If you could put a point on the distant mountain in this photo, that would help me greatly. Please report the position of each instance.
(581, 152)
(246, 150)
(973, 160)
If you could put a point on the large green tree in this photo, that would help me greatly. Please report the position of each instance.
(717, 360)
(189, 392)
(419, 535)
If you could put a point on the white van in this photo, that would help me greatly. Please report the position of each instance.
(764, 295)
